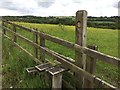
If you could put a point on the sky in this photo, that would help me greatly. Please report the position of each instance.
(58, 7)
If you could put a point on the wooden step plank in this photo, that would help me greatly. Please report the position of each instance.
(31, 70)
(43, 67)
(55, 70)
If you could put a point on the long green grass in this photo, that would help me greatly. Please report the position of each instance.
(17, 61)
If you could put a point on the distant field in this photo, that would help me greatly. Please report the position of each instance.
(105, 39)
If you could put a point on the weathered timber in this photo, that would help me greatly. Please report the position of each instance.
(90, 67)
(101, 83)
(86, 51)
(57, 40)
(3, 30)
(80, 39)
(7, 37)
(66, 58)
(22, 27)
(31, 70)
(14, 36)
(56, 73)
(42, 43)
(55, 70)
(70, 78)
(95, 54)
(103, 57)
(68, 65)
(36, 60)
(91, 62)
(35, 40)
(43, 67)
(67, 85)
(90, 52)
(23, 38)
(53, 63)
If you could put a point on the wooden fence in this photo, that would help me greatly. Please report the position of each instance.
(82, 68)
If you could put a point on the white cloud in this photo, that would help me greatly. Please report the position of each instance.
(9, 12)
(58, 7)
(45, 3)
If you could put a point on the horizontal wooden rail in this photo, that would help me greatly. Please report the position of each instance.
(101, 56)
(22, 27)
(66, 62)
(23, 38)
(57, 40)
(36, 60)
(89, 52)
(98, 55)
(67, 85)
(69, 65)
(36, 45)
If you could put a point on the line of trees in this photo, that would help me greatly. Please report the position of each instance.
(97, 22)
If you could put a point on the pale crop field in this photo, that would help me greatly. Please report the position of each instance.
(105, 39)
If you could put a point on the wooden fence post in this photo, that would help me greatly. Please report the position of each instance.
(35, 40)
(57, 82)
(14, 34)
(80, 58)
(42, 43)
(90, 67)
(3, 24)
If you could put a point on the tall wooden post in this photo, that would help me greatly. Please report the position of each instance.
(42, 43)
(14, 34)
(80, 58)
(3, 25)
(35, 40)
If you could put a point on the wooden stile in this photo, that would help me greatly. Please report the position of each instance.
(73, 67)
(95, 54)
(81, 64)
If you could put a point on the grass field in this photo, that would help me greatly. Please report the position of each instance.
(15, 61)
